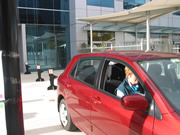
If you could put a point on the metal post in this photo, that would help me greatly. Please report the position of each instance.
(136, 35)
(147, 31)
(9, 58)
(91, 38)
(141, 44)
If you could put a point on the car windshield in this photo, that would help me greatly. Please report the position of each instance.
(165, 73)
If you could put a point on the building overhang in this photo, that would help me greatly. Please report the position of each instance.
(137, 15)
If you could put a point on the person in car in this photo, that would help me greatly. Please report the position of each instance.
(129, 86)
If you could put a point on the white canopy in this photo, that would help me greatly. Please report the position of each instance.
(137, 15)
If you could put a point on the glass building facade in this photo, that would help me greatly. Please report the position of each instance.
(101, 3)
(47, 32)
(128, 4)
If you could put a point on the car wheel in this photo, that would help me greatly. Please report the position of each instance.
(65, 117)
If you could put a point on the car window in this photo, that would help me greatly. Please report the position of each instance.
(165, 73)
(87, 69)
(113, 75)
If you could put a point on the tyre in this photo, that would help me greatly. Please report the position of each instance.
(65, 117)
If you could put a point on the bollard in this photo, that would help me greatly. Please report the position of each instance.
(39, 71)
(27, 68)
(51, 78)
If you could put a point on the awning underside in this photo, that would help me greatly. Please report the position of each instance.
(138, 15)
(132, 28)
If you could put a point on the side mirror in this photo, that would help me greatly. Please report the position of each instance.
(134, 103)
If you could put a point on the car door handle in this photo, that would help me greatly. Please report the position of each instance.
(96, 100)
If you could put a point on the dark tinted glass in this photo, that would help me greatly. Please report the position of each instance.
(73, 71)
(31, 30)
(61, 4)
(31, 3)
(87, 70)
(31, 16)
(63, 46)
(48, 4)
(22, 3)
(22, 16)
(61, 18)
(44, 17)
(176, 13)
(47, 45)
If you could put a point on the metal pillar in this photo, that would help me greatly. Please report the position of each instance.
(136, 35)
(91, 38)
(11, 97)
(148, 31)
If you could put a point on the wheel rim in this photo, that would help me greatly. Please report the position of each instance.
(63, 115)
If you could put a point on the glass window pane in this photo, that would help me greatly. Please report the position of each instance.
(22, 16)
(31, 3)
(128, 4)
(48, 4)
(61, 4)
(31, 36)
(41, 46)
(61, 41)
(161, 71)
(108, 36)
(61, 17)
(30, 16)
(140, 1)
(107, 3)
(22, 3)
(102, 36)
(87, 70)
(94, 2)
(177, 13)
(46, 47)
(176, 37)
(44, 17)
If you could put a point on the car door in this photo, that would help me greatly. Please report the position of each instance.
(82, 80)
(107, 115)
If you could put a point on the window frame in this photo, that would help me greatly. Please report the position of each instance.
(76, 65)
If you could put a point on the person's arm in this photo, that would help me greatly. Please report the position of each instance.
(120, 90)
(119, 93)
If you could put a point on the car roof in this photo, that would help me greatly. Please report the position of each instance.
(135, 55)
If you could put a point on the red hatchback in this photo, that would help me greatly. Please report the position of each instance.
(87, 97)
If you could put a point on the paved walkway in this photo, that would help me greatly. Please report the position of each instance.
(40, 106)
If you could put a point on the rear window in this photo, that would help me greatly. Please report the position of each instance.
(86, 70)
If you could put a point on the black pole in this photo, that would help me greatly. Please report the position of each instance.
(11, 70)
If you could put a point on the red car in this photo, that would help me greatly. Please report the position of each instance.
(87, 99)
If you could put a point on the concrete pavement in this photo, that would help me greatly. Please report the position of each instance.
(40, 106)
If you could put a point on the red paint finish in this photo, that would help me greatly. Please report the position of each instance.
(97, 113)
(134, 103)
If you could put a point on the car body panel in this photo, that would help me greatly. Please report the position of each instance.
(170, 125)
(80, 103)
(110, 114)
